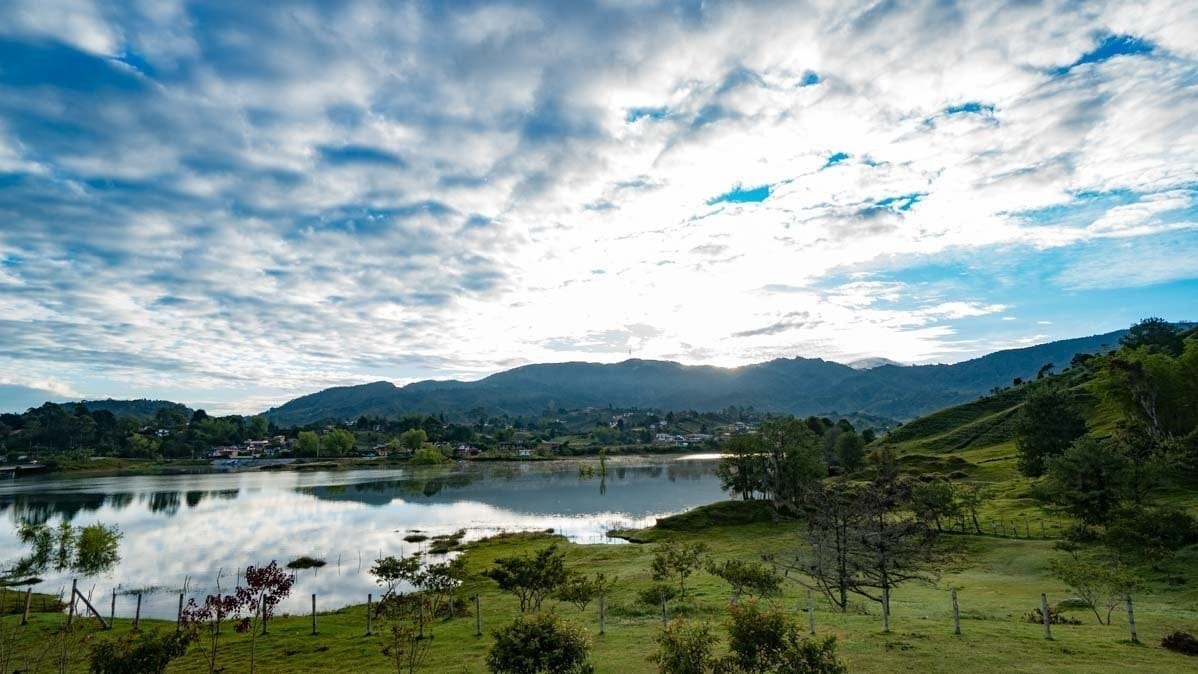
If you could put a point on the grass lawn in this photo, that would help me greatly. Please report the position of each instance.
(998, 579)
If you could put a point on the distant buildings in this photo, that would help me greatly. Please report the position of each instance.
(251, 449)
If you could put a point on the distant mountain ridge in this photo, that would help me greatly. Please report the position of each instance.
(786, 385)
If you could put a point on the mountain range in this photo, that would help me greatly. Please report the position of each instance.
(798, 386)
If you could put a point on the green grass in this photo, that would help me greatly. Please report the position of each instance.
(999, 580)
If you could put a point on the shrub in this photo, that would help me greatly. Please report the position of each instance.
(657, 594)
(138, 653)
(540, 644)
(428, 456)
(685, 648)
(1036, 617)
(752, 578)
(769, 641)
(531, 578)
(1180, 642)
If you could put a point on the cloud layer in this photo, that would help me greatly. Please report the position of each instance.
(230, 203)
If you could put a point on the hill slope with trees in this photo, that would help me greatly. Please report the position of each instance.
(799, 386)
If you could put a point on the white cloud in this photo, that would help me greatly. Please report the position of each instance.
(293, 198)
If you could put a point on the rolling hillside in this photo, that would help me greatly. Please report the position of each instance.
(797, 385)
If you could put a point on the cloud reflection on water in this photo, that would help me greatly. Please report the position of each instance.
(188, 528)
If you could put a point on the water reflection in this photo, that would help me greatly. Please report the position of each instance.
(185, 531)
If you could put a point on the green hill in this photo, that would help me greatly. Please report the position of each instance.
(799, 386)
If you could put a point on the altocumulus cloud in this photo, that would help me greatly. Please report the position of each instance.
(236, 202)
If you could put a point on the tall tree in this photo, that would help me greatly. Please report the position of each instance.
(1088, 481)
(1045, 426)
(1155, 334)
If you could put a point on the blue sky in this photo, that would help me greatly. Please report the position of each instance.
(231, 203)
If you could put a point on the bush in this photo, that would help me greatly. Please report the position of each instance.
(1180, 642)
(137, 654)
(657, 594)
(769, 641)
(531, 577)
(1035, 616)
(428, 456)
(685, 648)
(540, 644)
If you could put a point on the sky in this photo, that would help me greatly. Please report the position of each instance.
(230, 204)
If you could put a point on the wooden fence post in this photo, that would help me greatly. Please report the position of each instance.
(28, 602)
(137, 614)
(1047, 619)
(71, 609)
(956, 615)
(179, 615)
(665, 622)
(810, 613)
(1131, 622)
(1043, 531)
(314, 614)
(602, 612)
(369, 602)
(112, 608)
(478, 616)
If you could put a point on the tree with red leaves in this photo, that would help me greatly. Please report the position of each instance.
(251, 607)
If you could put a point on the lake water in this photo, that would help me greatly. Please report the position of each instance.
(190, 530)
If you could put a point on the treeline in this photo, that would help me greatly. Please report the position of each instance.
(1110, 483)
(75, 429)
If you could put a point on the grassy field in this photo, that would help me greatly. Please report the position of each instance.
(999, 580)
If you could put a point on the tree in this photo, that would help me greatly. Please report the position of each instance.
(793, 465)
(1155, 334)
(307, 443)
(1154, 389)
(390, 571)
(1099, 586)
(1045, 426)
(403, 646)
(742, 468)
(258, 427)
(1088, 481)
(746, 577)
(413, 439)
(1150, 534)
(202, 622)
(265, 587)
(581, 590)
(674, 559)
(885, 549)
(934, 500)
(970, 500)
(530, 578)
(850, 451)
(339, 442)
(831, 516)
(540, 644)
(685, 647)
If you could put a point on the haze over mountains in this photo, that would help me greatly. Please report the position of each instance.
(797, 385)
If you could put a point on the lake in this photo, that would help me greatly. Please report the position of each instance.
(191, 530)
